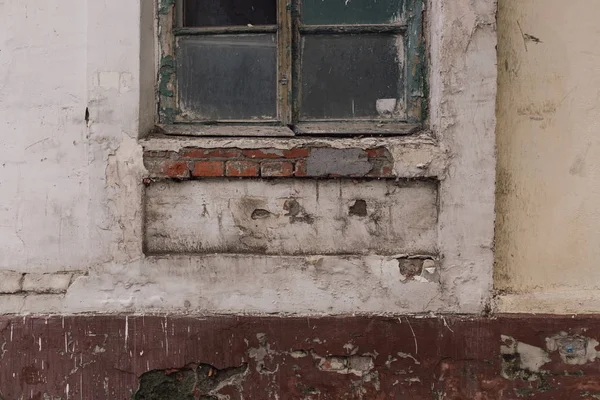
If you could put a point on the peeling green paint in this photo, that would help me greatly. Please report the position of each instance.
(166, 73)
(165, 6)
(413, 90)
(167, 115)
(166, 92)
(166, 76)
(416, 76)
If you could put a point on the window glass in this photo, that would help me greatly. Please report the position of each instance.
(203, 13)
(350, 76)
(227, 76)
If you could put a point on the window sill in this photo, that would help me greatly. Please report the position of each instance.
(226, 130)
(317, 128)
(353, 128)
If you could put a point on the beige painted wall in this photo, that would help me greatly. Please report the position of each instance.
(548, 136)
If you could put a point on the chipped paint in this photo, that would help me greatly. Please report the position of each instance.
(165, 6)
(521, 359)
(231, 356)
(573, 349)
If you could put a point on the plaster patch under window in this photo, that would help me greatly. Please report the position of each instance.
(291, 217)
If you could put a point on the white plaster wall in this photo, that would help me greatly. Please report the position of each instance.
(71, 192)
(548, 156)
(44, 151)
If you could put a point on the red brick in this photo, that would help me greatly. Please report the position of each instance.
(241, 168)
(381, 169)
(211, 153)
(263, 153)
(208, 168)
(378, 152)
(300, 168)
(387, 172)
(298, 152)
(276, 168)
(175, 169)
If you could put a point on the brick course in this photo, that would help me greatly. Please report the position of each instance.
(176, 169)
(276, 169)
(10, 282)
(208, 168)
(47, 283)
(241, 168)
(300, 162)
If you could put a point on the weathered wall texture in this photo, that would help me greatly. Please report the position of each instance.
(328, 358)
(77, 79)
(290, 217)
(548, 150)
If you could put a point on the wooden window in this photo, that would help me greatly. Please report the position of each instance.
(291, 67)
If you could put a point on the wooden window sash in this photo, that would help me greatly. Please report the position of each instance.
(289, 30)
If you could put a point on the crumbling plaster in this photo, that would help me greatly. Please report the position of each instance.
(72, 193)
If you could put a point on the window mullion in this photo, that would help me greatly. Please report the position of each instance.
(284, 59)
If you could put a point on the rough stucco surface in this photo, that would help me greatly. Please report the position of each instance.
(44, 154)
(548, 151)
(71, 190)
(291, 217)
(463, 94)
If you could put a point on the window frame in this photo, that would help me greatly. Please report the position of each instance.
(289, 31)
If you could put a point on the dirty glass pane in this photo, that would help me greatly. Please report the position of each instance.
(227, 77)
(350, 76)
(198, 13)
(336, 12)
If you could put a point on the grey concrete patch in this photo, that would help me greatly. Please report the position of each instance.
(344, 162)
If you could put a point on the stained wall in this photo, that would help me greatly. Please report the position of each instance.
(548, 150)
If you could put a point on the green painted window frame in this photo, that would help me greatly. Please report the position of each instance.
(289, 30)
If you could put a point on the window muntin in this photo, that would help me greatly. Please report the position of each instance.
(358, 62)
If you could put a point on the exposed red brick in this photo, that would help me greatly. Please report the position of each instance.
(276, 168)
(241, 168)
(387, 172)
(214, 162)
(300, 168)
(211, 153)
(175, 169)
(263, 153)
(298, 152)
(378, 152)
(382, 168)
(208, 168)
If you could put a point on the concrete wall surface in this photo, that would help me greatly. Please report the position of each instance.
(548, 156)
(78, 95)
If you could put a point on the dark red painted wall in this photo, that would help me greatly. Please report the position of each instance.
(104, 357)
